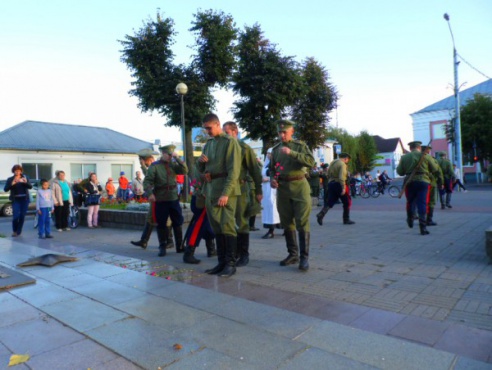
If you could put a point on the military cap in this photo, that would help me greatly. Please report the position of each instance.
(168, 149)
(425, 147)
(324, 165)
(443, 154)
(414, 144)
(284, 124)
(345, 155)
(147, 152)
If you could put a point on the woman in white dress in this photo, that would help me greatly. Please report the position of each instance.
(269, 213)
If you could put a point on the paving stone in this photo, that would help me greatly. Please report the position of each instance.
(14, 310)
(108, 292)
(419, 330)
(43, 293)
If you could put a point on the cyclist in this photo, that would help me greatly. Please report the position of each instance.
(384, 181)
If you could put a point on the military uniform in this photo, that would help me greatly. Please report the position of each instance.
(436, 180)
(448, 173)
(221, 174)
(249, 170)
(293, 195)
(337, 182)
(161, 182)
(313, 180)
(417, 188)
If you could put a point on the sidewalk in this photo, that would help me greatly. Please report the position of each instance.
(376, 297)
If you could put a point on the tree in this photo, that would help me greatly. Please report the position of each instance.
(266, 84)
(366, 152)
(348, 143)
(476, 127)
(149, 57)
(310, 111)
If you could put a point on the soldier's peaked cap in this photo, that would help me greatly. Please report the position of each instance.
(414, 144)
(284, 124)
(147, 152)
(443, 154)
(168, 149)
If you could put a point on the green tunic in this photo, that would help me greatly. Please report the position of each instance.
(410, 160)
(436, 178)
(224, 165)
(293, 193)
(447, 168)
(250, 172)
(313, 180)
(161, 179)
(338, 172)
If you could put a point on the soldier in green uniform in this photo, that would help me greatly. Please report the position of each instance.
(417, 187)
(220, 165)
(433, 190)
(448, 173)
(287, 175)
(313, 179)
(160, 183)
(249, 169)
(338, 188)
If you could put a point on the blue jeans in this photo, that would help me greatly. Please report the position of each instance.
(19, 209)
(44, 222)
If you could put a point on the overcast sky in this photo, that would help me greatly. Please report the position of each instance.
(60, 59)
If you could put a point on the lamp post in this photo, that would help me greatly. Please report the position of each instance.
(182, 89)
(457, 127)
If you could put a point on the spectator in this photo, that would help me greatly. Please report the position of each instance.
(137, 186)
(93, 190)
(110, 189)
(180, 183)
(123, 187)
(457, 180)
(19, 186)
(45, 206)
(62, 196)
(269, 214)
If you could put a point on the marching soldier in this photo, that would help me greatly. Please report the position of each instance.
(249, 169)
(417, 186)
(220, 165)
(448, 173)
(314, 177)
(433, 189)
(288, 176)
(160, 183)
(338, 188)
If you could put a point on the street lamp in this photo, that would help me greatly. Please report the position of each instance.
(457, 127)
(182, 89)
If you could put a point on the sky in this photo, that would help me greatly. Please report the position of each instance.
(60, 59)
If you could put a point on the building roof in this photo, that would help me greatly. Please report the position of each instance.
(58, 137)
(484, 88)
(386, 145)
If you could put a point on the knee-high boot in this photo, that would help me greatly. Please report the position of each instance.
(144, 239)
(422, 226)
(230, 256)
(162, 235)
(189, 255)
(346, 217)
(410, 219)
(243, 249)
(170, 242)
(304, 237)
(292, 248)
(211, 251)
(430, 215)
(220, 241)
(178, 238)
(448, 200)
(441, 199)
(322, 214)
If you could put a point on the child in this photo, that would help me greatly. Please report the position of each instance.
(44, 207)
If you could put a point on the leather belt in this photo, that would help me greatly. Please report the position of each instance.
(209, 176)
(291, 178)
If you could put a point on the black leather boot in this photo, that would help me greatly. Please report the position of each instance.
(162, 237)
(422, 226)
(230, 254)
(322, 214)
(211, 251)
(304, 237)
(144, 239)
(189, 257)
(448, 200)
(243, 249)
(292, 248)
(269, 234)
(346, 217)
(220, 241)
(410, 219)
(170, 242)
(178, 239)
(441, 199)
(430, 215)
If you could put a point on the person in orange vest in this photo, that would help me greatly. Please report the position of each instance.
(123, 189)
(110, 189)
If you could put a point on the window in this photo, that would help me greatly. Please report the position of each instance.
(38, 170)
(438, 131)
(116, 169)
(81, 170)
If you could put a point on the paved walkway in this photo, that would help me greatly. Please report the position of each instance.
(378, 295)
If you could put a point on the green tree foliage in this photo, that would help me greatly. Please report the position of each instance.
(348, 143)
(266, 84)
(310, 111)
(476, 127)
(149, 57)
(366, 152)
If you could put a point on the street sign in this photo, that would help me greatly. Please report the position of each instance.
(338, 149)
